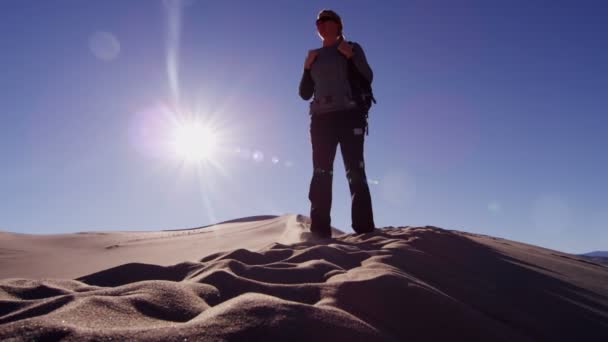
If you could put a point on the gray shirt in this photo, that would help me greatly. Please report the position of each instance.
(327, 79)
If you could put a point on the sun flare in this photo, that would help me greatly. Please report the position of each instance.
(195, 141)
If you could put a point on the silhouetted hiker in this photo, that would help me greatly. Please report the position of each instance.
(336, 118)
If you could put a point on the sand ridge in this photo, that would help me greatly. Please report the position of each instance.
(76, 254)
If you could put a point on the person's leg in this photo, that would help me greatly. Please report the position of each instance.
(351, 139)
(324, 144)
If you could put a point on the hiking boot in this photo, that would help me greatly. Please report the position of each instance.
(315, 237)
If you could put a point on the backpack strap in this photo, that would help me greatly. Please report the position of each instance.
(352, 44)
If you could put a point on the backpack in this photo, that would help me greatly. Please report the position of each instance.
(361, 90)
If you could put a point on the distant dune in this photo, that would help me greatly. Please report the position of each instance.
(259, 278)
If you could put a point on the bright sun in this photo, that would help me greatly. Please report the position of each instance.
(194, 141)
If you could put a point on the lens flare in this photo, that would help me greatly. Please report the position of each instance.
(258, 156)
(174, 25)
(104, 45)
(494, 207)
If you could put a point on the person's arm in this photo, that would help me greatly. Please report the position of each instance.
(360, 62)
(307, 85)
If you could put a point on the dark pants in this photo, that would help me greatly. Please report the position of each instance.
(346, 128)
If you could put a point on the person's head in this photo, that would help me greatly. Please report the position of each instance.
(329, 25)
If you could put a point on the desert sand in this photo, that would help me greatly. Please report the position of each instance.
(261, 278)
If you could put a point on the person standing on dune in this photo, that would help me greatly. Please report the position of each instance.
(336, 118)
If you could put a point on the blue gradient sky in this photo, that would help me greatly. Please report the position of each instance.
(491, 116)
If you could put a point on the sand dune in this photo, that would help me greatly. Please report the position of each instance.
(259, 279)
(76, 254)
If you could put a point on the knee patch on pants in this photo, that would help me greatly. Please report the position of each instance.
(356, 176)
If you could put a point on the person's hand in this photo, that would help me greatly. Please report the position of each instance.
(312, 54)
(346, 49)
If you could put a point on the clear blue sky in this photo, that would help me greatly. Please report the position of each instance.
(491, 115)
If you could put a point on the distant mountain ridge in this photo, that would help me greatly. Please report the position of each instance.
(603, 254)
(597, 256)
